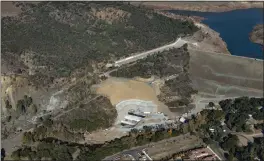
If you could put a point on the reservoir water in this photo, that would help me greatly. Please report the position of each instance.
(234, 28)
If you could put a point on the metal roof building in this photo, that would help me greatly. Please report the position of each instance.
(133, 118)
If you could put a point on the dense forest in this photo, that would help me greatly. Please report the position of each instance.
(238, 111)
(235, 113)
(253, 151)
(53, 39)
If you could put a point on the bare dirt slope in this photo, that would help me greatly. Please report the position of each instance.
(208, 40)
(124, 89)
(218, 74)
(9, 9)
(201, 6)
(119, 90)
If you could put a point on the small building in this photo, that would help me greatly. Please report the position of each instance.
(147, 113)
(133, 118)
(212, 130)
(108, 65)
(182, 119)
(130, 120)
(223, 122)
(137, 113)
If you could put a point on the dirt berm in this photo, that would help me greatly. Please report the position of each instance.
(220, 74)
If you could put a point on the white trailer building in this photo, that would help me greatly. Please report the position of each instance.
(133, 118)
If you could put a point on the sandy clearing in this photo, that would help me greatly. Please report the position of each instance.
(152, 78)
(101, 136)
(242, 141)
(9, 9)
(118, 89)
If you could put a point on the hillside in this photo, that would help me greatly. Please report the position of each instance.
(201, 6)
(170, 67)
(60, 101)
(257, 35)
(55, 39)
(53, 52)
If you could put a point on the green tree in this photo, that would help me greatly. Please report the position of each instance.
(48, 122)
(184, 128)
(147, 128)
(33, 108)
(20, 106)
(27, 101)
(8, 105)
(230, 142)
(8, 119)
(230, 157)
(211, 104)
(27, 138)
(134, 131)
(191, 125)
(16, 154)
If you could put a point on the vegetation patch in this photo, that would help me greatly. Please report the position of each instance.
(257, 35)
(239, 111)
(99, 113)
(162, 64)
(64, 36)
(199, 125)
(173, 63)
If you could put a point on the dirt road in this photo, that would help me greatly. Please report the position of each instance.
(177, 44)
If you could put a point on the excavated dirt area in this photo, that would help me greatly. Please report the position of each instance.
(135, 94)
(122, 89)
(118, 90)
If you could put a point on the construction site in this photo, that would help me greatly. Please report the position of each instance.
(136, 103)
(135, 112)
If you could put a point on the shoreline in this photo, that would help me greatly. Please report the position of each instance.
(201, 6)
(207, 38)
(221, 44)
(256, 35)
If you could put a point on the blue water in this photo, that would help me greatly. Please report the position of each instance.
(234, 28)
